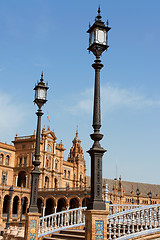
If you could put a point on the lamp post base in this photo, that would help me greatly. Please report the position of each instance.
(32, 225)
(96, 224)
(96, 205)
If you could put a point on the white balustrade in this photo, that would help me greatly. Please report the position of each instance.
(133, 221)
(116, 208)
(61, 220)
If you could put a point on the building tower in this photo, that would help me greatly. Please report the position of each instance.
(79, 166)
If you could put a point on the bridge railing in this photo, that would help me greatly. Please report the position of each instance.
(116, 208)
(62, 220)
(128, 220)
(133, 221)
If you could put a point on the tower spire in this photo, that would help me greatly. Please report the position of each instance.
(77, 131)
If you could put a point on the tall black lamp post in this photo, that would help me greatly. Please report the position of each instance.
(150, 197)
(98, 38)
(11, 191)
(137, 193)
(40, 100)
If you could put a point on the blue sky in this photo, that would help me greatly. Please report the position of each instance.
(51, 36)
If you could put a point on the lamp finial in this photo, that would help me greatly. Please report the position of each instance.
(41, 77)
(99, 13)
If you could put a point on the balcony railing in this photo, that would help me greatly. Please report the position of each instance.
(65, 189)
(22, 165)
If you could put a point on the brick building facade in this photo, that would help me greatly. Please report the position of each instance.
(62, 184)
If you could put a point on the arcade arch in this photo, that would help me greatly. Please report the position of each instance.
(25, 203)
(15, 206)
(74, 203)
(6, 204)
(39, 205)
(61, 204)
(50, 204)
(85, 202)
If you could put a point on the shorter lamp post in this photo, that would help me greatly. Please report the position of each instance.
(137, 193)
(11, 191)
(150, 196)
(42, 206)
(85, 195)
(22, 203)
(40, 100)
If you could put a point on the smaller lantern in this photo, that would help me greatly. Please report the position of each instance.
(40, 93)
(150, 194)
(98, 36)
(11, 191)
(137, 192)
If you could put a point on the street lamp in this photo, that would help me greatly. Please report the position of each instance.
(98, 37)
(40, 100)
(11, 191)
(137, 193)
(150, 196)
(22, 203)
(85, 195)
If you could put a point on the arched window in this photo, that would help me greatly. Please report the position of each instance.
(25, 161)
(4, 177)
(7, 160)
(47, 162)
(21, 179)
(56, 165)
(55, 183)
(68, 174)
(6, 205)
(20, 161)
(49, 149)
(1, 159)
(46, 182)
(64, 173)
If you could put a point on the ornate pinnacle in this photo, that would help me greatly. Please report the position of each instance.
(99, 13)
(41, 77)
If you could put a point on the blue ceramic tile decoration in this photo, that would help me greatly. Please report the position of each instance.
(99, 229)
(32, 235)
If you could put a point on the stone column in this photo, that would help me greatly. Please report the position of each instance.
(26, 181)
(55, 209)
(16, 180)
(44, 208)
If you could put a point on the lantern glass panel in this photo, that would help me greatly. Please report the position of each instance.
(101, 36)
(92, 38)
(41, 93)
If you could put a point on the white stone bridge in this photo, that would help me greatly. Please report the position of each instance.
(124, 222)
